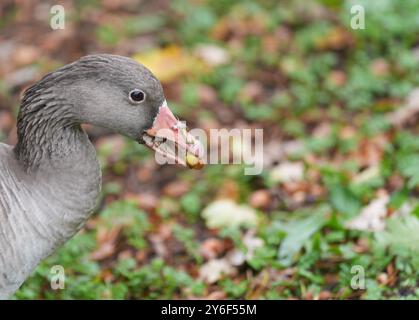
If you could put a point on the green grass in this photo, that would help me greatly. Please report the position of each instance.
(307, 251)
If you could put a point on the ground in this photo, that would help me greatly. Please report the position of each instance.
(334, 214)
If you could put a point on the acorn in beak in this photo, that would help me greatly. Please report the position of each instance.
(169, 138)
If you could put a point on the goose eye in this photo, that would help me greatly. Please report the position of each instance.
(136, 96)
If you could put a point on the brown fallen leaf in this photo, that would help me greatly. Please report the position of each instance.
(106, 275)
(252, 91)
(146, 201)
(325, 295)
(392, 272)
(176, 188)
(106, 240)
(337, 78)
(141, 256)
(229, 190)
(336, 38)
(7, 121)
(380, 67)
(212, 248)
(207, 95)
(125, 254)
(260, 199)
(370, 151)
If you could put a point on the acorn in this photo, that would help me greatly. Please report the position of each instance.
(194, 162)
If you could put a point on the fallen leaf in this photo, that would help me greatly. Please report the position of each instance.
(370, 151)
(402, 237)
(207, 95)
(336, 38)
(382, 278)
(298, 232)
(212, 55)
(176, 189)
(126, 254)
(260, 199)
(287, 172)
(325, 295)
(251, 243)
(380, 67)
(337, 78)
(229, 190)
(402, 115)
(225, 213)
(211, 248)
(170, 63)
(6, 121)
(252, 91)
(366, 175)
(372, 216)
(215, 269)
(146, 201)
(106, 239)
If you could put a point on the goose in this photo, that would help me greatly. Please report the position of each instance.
(51, 179)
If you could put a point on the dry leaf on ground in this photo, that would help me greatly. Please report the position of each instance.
(214, 270)
(404, 114)
(288, 172)
(372, 217)
(170, 63)
(225, 213)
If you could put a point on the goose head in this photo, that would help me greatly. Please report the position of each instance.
(119, 94)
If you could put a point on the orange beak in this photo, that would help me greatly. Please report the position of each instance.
(169, 137)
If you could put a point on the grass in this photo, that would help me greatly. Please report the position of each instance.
(300, 72)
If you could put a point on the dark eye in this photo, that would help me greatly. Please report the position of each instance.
(136, 96)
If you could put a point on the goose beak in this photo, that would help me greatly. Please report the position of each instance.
(169, 138)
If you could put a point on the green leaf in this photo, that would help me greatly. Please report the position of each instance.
(344, 201)
(408, 166)
(298, 233)
(401, 238)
